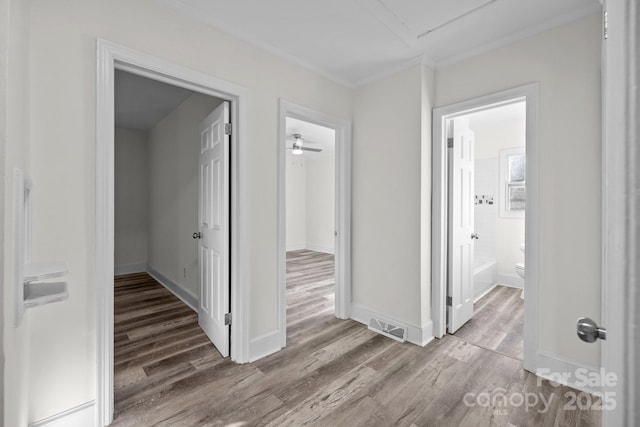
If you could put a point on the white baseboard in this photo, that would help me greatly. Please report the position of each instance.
(185, 295)
(418, 335)
(136, 267)
(264, 345)
(321, 248)
(566, 372)
(510, 280)
(296, 246)
(80, 416)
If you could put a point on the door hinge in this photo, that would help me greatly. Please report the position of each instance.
(449, 142)
(605, 26)
(449, 302)
(227, 319)
(227, 128)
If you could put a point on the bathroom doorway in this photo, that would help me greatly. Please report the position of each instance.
(491, 315)
(484, 209)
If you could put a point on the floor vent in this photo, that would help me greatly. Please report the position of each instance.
(398, 333)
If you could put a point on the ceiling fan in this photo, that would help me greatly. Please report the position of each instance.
(297, 147)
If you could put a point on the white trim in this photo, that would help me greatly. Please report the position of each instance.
(342, 206)
(81, 416)
(134, 267)
(554, 368)
(510, 280)
(185, 295)
(547, 25)
(264, 345)
(109, 57)
(439, 209)
(418, 335)
(321, 248)
(621, 210)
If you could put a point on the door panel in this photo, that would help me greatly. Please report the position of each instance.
(214, 228)
(461, 220)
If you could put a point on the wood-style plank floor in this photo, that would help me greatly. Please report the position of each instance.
(497, 323)
(332, 372)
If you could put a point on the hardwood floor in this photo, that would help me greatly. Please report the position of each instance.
(310, 287)
(332, 372)
(497, 323)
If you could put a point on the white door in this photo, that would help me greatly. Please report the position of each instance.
(461, 226)
(213, 221)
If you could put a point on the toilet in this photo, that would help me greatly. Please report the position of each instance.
(520, 270)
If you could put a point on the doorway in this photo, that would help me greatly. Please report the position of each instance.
(310, 223)
(112, 57)
(486, 236)
(331, 229)
(454, 233)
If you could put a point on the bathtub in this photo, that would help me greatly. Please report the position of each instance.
(485, 273)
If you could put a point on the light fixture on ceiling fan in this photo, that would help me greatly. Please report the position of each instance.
(297, 148)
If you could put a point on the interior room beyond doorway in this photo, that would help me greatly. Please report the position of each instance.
(310, 223)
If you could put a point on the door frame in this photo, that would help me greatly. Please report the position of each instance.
(439, 238)
(342, 208)
(621, 210)
(111, 56)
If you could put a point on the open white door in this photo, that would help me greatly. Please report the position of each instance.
(461, 225)
(213, 234)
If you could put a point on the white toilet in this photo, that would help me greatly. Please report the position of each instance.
(520, 269)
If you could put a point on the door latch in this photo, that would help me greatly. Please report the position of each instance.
(475, 236)
(197, 235)
(589, 331)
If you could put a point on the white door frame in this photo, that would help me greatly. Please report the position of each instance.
(621, 210)
(342, 206)
(111, 56)
(439, 210)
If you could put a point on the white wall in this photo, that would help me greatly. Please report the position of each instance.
(388, 275)
(320, 200)
(131, 197)
(64, 32)
(490, 139)
(173, 194)
(566, 63)
(16, 147)
(310, 200)
(296, 204)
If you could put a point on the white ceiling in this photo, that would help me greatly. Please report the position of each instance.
(313, 136)
(355, 41)
(140, 103)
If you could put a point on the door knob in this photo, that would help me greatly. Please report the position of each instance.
(197, 235)
(475, 236)
(589, 331)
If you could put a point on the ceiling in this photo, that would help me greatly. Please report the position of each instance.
(356, 41)
(313, 136)
(140, 103)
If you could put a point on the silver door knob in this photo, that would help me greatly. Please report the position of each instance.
(197, 235)
(588, 330)
(475, 236)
